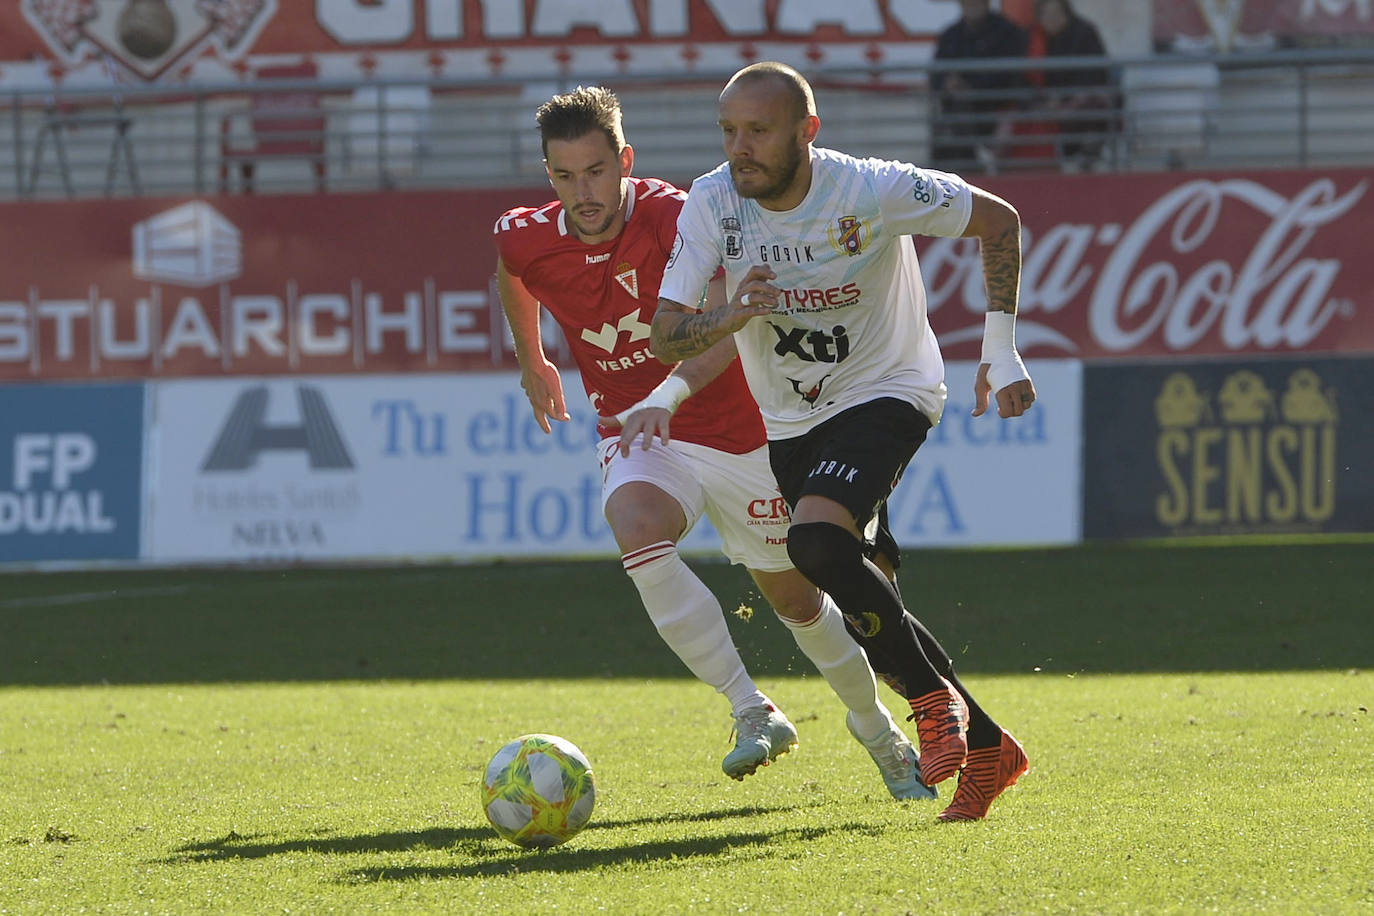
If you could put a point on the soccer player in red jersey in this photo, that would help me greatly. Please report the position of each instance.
(594, 257)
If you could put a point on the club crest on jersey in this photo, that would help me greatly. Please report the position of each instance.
(849, 235)
(810, 395)
(625, 275)
(734, 238)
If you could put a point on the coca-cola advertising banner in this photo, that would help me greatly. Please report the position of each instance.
(179, 40)
(1255, 25)
(1114, 267)
(1228, 447)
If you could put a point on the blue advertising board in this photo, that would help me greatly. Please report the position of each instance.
(1269, 446)
(70, 472)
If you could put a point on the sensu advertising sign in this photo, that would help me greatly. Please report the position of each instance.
(1228, 447)
(70, 472)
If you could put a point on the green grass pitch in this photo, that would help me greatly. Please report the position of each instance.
(312, 740)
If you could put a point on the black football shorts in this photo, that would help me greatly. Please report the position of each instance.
(855, 458)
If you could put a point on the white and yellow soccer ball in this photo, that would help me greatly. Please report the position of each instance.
(538, 791)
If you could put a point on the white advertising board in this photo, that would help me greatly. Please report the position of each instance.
(988, 481)
(381, 467)
(424, 467)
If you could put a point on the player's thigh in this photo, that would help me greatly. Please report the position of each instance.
(648, 496)
(854, 460)
(744, 505)
(789, 592)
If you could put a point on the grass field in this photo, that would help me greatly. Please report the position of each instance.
(311, 741)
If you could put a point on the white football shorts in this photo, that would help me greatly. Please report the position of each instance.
(737, 493)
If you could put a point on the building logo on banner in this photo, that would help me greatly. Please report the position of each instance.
(191, 245)
(245, 435)
(148, 37)
(259, 480)
(1247, 454)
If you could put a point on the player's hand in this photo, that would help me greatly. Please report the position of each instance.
(1012, 401)
(753, 297)
(544, 388)
(651, 421)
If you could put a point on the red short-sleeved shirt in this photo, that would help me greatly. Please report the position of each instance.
(604, 297)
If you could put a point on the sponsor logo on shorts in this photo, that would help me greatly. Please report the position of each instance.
(837, 469)
(769, 513)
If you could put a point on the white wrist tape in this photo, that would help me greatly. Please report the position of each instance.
(999, 351)
(669, 394)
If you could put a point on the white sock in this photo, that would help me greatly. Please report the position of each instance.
(691, 622)
(843, 664)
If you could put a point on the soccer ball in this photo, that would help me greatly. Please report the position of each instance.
(538, 791)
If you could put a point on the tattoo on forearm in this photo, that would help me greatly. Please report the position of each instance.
(688, 336)
(1002, 269)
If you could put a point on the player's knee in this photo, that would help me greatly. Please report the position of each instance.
(823, 552)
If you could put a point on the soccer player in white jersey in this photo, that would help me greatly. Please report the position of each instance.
(828, 311)
(594, 257)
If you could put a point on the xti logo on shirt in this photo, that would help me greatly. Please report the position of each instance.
(813, 347)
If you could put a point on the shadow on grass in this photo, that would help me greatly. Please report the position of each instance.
(573, 859)
(481, 840)
(1088, 609)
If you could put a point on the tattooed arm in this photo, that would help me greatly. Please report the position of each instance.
(679, 332)
(997, 226)
(1001, 374)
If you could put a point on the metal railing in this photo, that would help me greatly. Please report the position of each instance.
(1277, 109)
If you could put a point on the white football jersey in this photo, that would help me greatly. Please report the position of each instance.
(852, 325)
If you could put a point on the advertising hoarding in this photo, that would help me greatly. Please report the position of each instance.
(70, 472)
(455, 467)
(1228, 447)
(192, 40)
(381, 467)
(985, 480)
(1189, 266)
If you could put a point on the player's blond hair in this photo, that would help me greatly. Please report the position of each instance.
(575, 114)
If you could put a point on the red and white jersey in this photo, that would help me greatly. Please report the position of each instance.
(604, 297)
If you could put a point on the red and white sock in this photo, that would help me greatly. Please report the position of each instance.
(690, 620)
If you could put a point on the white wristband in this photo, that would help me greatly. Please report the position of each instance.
(999, 351)
(669, 394)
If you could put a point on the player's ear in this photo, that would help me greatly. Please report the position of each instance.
(811, 125)
(548, 171)
(627, 160)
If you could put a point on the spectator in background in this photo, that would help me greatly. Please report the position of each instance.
(1073, 96)
(976, 108)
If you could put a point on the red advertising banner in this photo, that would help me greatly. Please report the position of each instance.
(1114, 266)
(194, 39)
(1174, 264)
(1237, 25)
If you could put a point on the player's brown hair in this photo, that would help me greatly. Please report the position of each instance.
(795, 85)
(576, 114)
